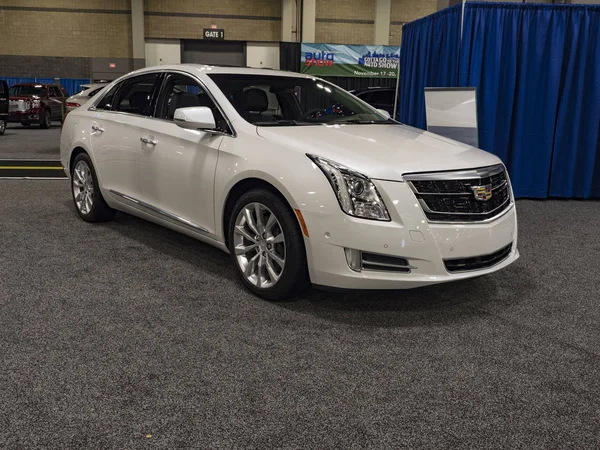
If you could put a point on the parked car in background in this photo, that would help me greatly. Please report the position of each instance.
(3, 106)
(299, 181)
(378, 97)
(83, 96)
(39, 104)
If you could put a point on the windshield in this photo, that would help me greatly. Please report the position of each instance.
(284, 101)
(27, 91)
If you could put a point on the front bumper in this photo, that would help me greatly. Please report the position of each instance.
(409, 235)
(30, 116)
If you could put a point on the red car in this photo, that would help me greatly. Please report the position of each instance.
(36, 104)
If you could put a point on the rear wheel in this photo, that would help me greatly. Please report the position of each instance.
(87, 197)
(2, 127)
(267, 246)
(46, 119)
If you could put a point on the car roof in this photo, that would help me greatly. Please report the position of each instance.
(209, 69)
(36, 84)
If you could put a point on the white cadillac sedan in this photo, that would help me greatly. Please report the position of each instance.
(301, 182)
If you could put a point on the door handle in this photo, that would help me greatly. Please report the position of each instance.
(97, 128)
(149, 141)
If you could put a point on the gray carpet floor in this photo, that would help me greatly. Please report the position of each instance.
(19, 142)
(126, 335)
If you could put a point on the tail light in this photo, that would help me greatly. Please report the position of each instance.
(73, 105)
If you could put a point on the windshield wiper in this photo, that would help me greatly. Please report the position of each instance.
(283, 122)
(366, 122)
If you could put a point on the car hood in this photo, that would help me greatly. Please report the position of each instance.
(380, 151)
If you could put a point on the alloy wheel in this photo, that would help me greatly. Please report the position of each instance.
(259, 245)
(83, 187)
(2, 126)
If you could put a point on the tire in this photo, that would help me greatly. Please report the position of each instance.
(88, 200)
(3, 124)
(276, 282)
(46, 120)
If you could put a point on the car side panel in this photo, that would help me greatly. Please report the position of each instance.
(251, 156)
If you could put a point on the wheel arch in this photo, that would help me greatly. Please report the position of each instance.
(76, 151)
(236, 192)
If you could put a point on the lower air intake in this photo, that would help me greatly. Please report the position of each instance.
(477, 262)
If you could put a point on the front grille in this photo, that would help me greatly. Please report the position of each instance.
(451, 196)
(18, 106)
(478, 262)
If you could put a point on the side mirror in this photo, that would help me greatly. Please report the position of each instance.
(384, 112)
(195, 118)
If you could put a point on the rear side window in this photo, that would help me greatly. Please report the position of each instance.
(107, 101)
(135, 96)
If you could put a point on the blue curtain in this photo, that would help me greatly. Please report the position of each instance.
(428, 58)
(537, 71)
(72, 85)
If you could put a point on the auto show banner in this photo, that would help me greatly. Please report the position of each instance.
(372, 61)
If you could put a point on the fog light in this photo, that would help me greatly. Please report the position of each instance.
(354, 259)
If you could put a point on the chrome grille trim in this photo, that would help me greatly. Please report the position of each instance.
(448, 197)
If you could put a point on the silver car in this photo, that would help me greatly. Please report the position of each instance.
(87, 92)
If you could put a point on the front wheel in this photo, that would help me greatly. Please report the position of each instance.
(267, 246)
(46, 119)
(2, 127)
(87, 197)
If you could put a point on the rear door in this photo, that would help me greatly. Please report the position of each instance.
(121, 119)
(3, 100)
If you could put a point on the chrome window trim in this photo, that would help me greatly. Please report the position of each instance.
(161, 212)
(168, 71)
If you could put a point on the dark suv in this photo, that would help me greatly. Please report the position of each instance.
(36, 104)
(3, 106)
(378, 97)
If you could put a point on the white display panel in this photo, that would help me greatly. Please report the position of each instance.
(452, 112)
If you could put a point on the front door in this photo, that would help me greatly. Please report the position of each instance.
(177, 166)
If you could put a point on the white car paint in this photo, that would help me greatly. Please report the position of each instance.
(189, 174)
(82, 97)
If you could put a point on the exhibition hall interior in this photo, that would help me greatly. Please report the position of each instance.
(303, 224)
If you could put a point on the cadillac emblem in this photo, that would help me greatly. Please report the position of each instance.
(482, 193)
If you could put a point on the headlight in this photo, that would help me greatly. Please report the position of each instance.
(356, 192)
(35, 103)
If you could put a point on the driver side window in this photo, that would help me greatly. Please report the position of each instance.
(180, 91)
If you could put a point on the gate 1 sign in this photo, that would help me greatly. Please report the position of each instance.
(214, 34)
(372, 61)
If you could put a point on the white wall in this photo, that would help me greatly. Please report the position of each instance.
(262, 55)
(159, 52)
